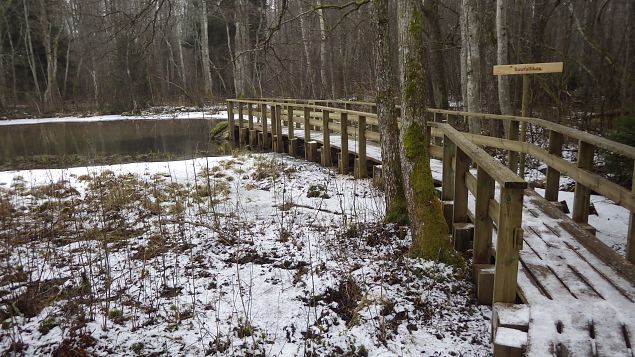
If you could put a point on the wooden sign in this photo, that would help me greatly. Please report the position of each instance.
(528, 68)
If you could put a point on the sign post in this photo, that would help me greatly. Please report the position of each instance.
(525, 70)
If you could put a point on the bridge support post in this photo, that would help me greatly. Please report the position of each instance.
(512, 156)
(264, 143)
(552, 186)
(343, 159)
(630, 239)
(291, 134)
(447, 188)
(326, 140)
(460, 231)
(307, 131)
(360, 162)
(279, 142)
(582, 194)
(231, 121)
(509, 241)
(241, 132)
(482, 220)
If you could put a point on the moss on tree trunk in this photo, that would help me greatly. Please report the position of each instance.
(429, 229)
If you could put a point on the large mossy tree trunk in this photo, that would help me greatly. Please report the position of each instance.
(396, 211)
(429, 229)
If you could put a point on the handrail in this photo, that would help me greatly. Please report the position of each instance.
(499, 172)
(596, 140)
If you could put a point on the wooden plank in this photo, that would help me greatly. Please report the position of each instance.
(241, 133)
(527, 68)
(230, 119)
(507, 243)
(470, 182)
(582, 194)
(552, 186)
(482, 220)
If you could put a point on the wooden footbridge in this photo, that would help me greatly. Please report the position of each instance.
(556, 289)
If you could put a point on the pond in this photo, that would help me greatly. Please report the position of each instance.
(50, 144)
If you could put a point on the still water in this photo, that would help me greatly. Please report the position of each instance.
(59, 144)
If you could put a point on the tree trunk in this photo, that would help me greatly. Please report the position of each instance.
(440, 92)
(51, 45)
(324, 77)
(242, 45)
(207, 74)
(488, 43)
(396, 210)
(30, 54)
(306, 42)
(470, 39)
(502, 57)
(429, 229)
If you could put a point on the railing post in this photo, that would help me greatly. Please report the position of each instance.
(274, 129)
(279, 142)
(307, 124)
(263, 119)
(230, 121)
(630, 239)
(326, 140)
(509, 239)
(512, 156)
(241, 133)
(447, 181)
(291, 127)
(582, 194)
(461, 167)
(360, 162)
(252, 132)
(552, 186)
(343, 160)
(482, 221)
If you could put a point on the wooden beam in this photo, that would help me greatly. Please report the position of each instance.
(343, 162)
(552, 186)
(360, 162)
(241, 133)
(263, 119)
(279, 141)
(582, 194)
(230, 121)
(508, 243)
(326, 140)
(461, 167)
(447, 188)
(482, 220)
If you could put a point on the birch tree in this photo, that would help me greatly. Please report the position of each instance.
(429, 229)
(204, 38)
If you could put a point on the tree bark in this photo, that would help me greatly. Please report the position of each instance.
(502, 57)
(396, 210)
(324, 77)
(207, 74)
(429, 229)
(306, 42)
(30, 54)
(242, 46)
(439, 88)
(470, 40)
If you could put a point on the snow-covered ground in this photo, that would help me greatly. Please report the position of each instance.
(258, 255)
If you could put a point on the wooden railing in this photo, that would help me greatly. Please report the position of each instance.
(586, 180)
(458, 152)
